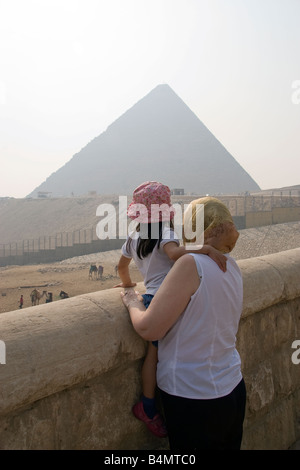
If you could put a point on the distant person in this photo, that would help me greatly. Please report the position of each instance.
(154, 247)
(100, 271)
(195, 315)
(21, 301)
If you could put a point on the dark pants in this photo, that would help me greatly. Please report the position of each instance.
(215, 424)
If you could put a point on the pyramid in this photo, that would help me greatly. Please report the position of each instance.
(160, 139)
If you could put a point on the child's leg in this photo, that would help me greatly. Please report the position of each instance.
(146, 410)
(149, 372)
(149, 381)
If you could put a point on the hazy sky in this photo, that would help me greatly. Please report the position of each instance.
(69, 68)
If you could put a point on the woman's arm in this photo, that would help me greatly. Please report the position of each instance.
(168, 303)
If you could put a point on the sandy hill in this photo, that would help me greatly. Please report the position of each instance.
(31, 218)
(23, 219)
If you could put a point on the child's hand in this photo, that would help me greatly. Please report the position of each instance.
(218, 257)
(130, 284)
(130, 296)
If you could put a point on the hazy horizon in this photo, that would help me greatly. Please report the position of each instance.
(70, 69)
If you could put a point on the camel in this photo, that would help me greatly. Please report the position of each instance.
(36, 296)
(93, 271)
(63, 295)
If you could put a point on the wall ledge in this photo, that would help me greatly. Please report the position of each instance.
(79, 359)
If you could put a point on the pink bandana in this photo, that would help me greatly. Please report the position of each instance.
(151, 203)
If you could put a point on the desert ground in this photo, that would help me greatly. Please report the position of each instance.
(72, 275)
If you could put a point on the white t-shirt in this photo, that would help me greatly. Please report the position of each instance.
(197, 358)
(156, 265)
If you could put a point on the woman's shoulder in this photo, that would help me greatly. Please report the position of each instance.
(186, 272)
(186, 261)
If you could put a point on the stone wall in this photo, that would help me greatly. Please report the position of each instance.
(276, 215)
(72, 368)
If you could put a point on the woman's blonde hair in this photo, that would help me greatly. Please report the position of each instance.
(216, 217)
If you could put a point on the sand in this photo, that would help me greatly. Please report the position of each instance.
(72, 275)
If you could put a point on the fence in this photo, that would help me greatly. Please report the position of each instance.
(51, 242)
(247, 212)
(55, 248)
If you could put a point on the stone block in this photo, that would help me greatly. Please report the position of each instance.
(263, 285)
(260, 388)
(275, 431)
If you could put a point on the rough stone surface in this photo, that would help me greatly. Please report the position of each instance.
(73, 369)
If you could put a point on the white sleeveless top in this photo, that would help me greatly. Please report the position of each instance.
(197, 358)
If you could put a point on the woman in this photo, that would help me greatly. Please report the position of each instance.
(195, 315)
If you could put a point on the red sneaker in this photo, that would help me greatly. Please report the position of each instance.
(155, 425)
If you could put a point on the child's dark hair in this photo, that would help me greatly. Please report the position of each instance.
(146, 244)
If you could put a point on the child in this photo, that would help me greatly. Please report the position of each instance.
(154, 257)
